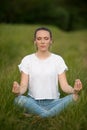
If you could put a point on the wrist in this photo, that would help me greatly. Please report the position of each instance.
(75, 91)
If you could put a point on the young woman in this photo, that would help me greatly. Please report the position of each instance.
(40, 74)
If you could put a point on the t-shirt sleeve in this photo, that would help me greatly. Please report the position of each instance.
(61, 66)
(23, 66)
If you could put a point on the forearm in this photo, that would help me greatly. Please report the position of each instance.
(23, 83)
(68, 89)
(71, 90)
(22, 89)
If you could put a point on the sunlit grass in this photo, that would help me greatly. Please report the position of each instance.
(16, 41)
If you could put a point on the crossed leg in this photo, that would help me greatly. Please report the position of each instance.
(51, 109)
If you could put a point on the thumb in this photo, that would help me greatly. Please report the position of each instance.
(15, 83)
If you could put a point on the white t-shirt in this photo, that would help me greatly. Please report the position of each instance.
(43, 75)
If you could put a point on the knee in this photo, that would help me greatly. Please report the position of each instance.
(20, 100)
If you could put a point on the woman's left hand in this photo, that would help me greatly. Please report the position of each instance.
(77, 85)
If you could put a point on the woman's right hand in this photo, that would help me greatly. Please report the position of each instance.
(16, 88)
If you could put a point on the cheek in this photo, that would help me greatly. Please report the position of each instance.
(48, 43)
(36, 43)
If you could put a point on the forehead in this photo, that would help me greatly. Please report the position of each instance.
(41, 33)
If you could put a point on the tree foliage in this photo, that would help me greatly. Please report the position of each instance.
(66, 14)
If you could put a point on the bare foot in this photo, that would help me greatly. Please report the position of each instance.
(75, 97)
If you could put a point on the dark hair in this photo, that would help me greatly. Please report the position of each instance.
(42, 28)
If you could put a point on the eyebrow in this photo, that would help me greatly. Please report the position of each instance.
(40, 36)
(43, 37)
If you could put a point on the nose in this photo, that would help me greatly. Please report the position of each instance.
(42, 41)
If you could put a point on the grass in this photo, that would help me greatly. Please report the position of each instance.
(16, 41)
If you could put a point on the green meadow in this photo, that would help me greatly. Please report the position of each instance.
(16, 41)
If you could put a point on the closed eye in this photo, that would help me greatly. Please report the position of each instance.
(46, 38)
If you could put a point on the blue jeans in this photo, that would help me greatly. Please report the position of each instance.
(43, 108)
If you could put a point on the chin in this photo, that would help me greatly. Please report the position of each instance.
(43, 50)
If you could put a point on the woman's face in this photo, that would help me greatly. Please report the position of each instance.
(43, 40)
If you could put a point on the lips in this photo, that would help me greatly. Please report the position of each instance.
(42, 46)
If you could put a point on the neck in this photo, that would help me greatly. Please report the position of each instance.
(43, 55)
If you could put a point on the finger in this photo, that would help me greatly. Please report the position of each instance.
(77, 80)
(78, 84)
(15, 87)
(15, 84)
